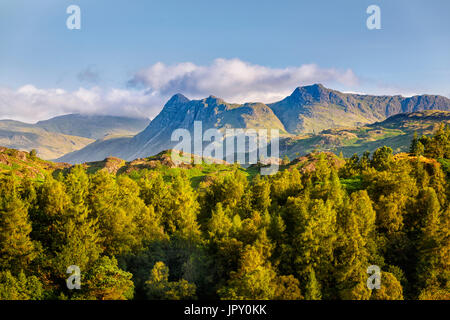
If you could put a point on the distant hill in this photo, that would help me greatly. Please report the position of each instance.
(49, 145)
(58, 136)
(93, 126)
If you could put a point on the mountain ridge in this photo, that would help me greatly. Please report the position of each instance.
(315, 108)
(309, 109)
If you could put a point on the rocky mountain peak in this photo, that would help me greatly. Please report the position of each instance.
(315, 92)
(177, 98)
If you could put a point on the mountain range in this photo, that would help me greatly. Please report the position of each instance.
(316, 108)
(307, 111)
(312, 117)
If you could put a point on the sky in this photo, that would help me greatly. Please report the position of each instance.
(130, 56)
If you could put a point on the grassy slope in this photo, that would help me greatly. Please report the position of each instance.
(395, 132)
(21, 164)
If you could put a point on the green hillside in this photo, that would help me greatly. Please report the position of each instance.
(396, 132)
(25, 165)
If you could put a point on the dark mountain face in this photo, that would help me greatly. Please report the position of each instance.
(181, 113)
(308, 109)
(425, 102)
(315, 108)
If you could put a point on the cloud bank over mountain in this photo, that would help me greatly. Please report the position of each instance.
(235, 80)
(148, 89)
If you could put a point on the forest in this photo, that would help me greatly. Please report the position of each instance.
(303, 233)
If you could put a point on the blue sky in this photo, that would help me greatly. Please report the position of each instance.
(120, 41)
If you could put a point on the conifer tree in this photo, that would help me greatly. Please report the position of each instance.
(20, 287)
(312, 287)
(260, 194)
(180, 216)
(382, 158)
(433, 245)
(390, 288)
(159, 286)
(253, 280)
(16, 248)
(106, 281)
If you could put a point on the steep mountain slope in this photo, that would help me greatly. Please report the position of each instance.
(49, 145)
(315, 108)
(93, 126)
(180, 112)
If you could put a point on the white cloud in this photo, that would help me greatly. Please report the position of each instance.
(31, 104)
(233, 80)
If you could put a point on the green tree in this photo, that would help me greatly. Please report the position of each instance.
(390, 288)
(253, 280)
(260, 194)
(180, 216)
(312, 288)
(159, 286)
(356, 226)
(69, 233)
(433, 271)
(287, 288)
(20, 287)
(106, 281)
(16, 247)
(33, 154)
(314, 239)
(382, 158)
